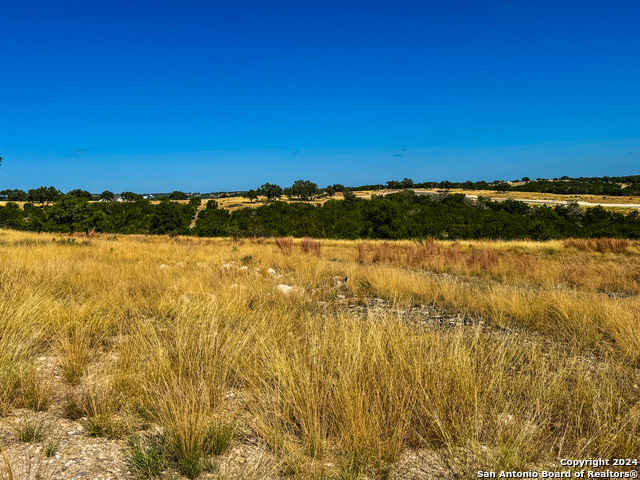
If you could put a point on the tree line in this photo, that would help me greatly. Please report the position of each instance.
(613, 186)
(402, 215)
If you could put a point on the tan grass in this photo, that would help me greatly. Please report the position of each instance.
(601, 245)
(285, 244)
(196, 350)
(309, 245)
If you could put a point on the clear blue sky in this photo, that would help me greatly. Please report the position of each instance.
(220, 95)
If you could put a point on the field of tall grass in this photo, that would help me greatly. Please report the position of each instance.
(186, 352)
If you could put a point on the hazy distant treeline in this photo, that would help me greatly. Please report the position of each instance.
(614, 186)
(402, 215)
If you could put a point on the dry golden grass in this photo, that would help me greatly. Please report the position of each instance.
(285, 244)
(309, 245)
(550, 196)
(154, 331)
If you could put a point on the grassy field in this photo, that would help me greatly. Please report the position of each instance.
(550, 196)
(234, 203)
(213, 358)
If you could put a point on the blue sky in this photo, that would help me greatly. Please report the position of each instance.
(203, 96)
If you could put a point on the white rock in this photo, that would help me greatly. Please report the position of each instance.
(163, 266)
(285, 288)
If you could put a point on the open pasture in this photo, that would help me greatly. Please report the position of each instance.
(142, 356)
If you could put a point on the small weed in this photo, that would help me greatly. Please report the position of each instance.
(146, 461)
(29, 243)
(219, 438)
(51, 448)
(211, 465)
(70, 242)
(104, 424)
(32, 431)
(189, 462)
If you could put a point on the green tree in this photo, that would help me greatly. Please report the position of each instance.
(406, 183)
(15, 195)
(212, 222)
(43, 195)
(251, 195)
(73, 214)
(270, 191)
(80, 194)
(178, 195)
(170, 217)
(107, 196)
(130, 196)
(304, 189)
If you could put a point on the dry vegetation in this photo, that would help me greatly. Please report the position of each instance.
(550, 196)
(190, 358)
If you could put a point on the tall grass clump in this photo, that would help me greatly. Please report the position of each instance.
(21, 339)
(184, 371)
(309, 245)
(601, 245)
(285, 244)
